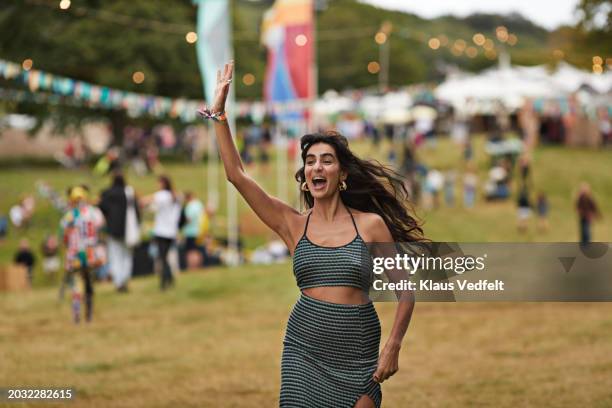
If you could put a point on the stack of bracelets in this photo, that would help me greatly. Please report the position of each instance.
(216, 116)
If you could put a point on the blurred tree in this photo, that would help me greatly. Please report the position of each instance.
(105, 42)
(595, 15)
(594, 29)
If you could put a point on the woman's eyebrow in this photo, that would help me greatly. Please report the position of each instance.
(312, 155)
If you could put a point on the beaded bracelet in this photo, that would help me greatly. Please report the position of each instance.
(216, 116)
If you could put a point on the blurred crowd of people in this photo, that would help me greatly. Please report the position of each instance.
(99, 238)
(103, 237)
(509, 165)
(139, 148)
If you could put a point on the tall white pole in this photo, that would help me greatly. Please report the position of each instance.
(280, 142)
(212, 165)
(314, 73)
(300, 126)
(383, 56)
(214, 49)
(232, 205)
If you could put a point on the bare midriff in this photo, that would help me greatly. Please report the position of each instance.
(345, 295)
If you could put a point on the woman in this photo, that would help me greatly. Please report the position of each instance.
(330, 356)
(167, 210)
(116, 202)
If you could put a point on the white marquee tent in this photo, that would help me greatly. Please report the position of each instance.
(471, 93)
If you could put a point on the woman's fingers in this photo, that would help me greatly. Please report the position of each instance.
(228, 71)
(231, 70)
(379, 375)
(382, 375)
(226, 75)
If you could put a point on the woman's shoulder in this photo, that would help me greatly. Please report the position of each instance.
(372, 226)
(366, 217)
(297, 220)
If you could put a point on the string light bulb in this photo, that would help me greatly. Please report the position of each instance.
(138, 77)
(434, 43)
(373, 67)
(191, 37)
(380, 38)
(248, 79)
(502, 33)
(460, 45)
(301, 40)
(479, 39)
(27, 64)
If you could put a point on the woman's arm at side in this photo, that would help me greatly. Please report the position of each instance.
(388, 362)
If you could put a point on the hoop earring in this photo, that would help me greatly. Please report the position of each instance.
(304, 187)
(342, 186)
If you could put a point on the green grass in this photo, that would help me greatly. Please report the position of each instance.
(556, 170)
(216, 341)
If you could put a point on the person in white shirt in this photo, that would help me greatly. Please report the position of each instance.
(167, 208)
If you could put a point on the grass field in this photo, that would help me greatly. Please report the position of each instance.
(556, 170)
(216, 340)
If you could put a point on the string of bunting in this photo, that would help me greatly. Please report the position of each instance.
(44, 87)
(96, 96)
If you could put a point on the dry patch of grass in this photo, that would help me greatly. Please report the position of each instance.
(216, 340)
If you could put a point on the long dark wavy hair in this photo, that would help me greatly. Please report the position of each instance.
(371, 187)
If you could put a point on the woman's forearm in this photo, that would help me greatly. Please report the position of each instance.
(228, 151)
(403, 315)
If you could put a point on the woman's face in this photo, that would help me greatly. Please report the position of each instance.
(322, 170)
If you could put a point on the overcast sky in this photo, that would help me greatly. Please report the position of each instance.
(547, 13)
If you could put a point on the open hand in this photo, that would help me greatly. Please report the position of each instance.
(224, 79)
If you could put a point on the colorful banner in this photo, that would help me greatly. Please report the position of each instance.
(213, 47)
(287, 32)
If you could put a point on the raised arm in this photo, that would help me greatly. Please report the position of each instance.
(276, 214)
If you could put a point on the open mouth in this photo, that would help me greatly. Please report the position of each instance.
(319, 183)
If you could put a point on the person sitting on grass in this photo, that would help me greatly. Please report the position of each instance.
(26, 258)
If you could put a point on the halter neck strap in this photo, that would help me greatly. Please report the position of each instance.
(353, 219)
(347, 209)
(306, 225)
